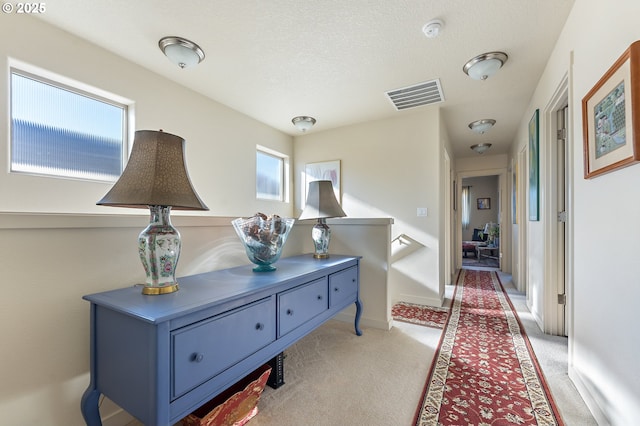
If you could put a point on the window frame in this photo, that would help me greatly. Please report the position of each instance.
(61, 82)
(284, 175)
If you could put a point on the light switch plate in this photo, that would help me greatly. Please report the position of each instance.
(422, 211)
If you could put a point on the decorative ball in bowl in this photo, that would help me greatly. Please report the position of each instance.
(263, 238)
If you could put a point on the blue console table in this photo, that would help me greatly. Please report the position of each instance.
(161, 357)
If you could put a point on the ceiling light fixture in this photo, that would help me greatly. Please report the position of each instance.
(303, 123)
(480, 148)
(180, 51)
(484, 66)
(433, 28)
(481, 126)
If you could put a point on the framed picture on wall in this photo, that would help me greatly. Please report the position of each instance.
(325, 170)
(484, 203)
(534, 168)
(610, 126)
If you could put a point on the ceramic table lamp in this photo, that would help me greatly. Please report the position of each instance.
(156, 178)
(321, 204)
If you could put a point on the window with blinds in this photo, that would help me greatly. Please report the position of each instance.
(57, 130)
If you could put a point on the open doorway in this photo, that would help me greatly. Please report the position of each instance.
(481, 221)
(492, 211)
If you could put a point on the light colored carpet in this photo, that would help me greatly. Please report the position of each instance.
(334, 377)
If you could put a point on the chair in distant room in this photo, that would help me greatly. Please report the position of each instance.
(479, 238)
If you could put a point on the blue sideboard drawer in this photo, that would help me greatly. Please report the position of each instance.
(300, 304)
(343, 286)
(202, 350)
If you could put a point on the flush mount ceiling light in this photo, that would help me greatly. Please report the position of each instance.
(481, 126)
(180, 51)
(433, 28)
(484, 66)
(303, 123)
(480, 148)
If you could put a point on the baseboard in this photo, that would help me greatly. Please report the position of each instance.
(419, 300)
(588, 397)
(365, 322)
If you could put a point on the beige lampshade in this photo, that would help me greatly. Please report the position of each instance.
(321, 202)
(156, 175)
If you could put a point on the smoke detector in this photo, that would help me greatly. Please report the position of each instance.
(433, 28)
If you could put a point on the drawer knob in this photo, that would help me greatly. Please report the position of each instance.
(259, 326)
(353, 280)
(197, 357)
(336, 289)
(289, 311)
(319, 297)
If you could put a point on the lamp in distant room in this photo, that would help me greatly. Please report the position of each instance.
(484, 66)
(480, 148)
(156, 177)
(481, 126)
(303, 123)
(180, 51)
(321, 204)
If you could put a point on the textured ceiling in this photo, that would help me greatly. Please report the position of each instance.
(335, 59)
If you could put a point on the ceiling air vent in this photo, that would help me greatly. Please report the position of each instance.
(429, 92)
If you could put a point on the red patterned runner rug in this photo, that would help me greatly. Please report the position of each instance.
(485, 371)
(429, 316)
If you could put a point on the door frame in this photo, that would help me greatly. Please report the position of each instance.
(505, 228)
(554, 317)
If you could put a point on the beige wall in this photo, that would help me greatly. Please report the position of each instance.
(389, 169)
(603, 294)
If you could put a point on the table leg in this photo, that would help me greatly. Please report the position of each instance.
(276, 378)
(358, 314)
(89, 407)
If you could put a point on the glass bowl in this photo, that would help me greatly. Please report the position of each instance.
(263, 238)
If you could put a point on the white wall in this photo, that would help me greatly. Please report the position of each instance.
(389, 169)
(603, 296)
